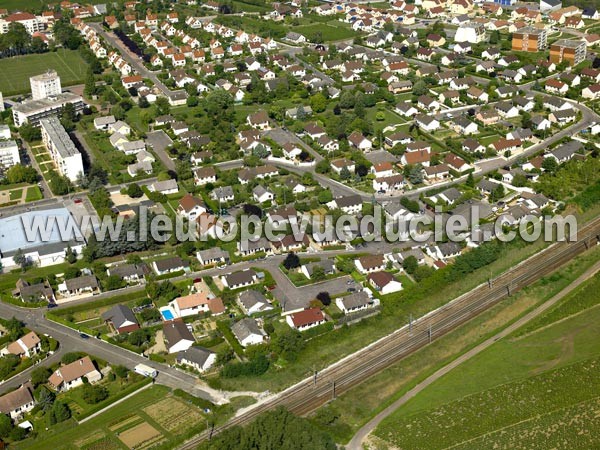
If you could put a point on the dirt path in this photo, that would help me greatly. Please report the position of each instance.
(357, 441)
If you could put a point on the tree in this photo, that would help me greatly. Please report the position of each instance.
(90, 84)
(93, 393)
(274, 429)
(134, 190)
(322, 166)
(162, 106)
(361, 170)
(497, 194)
(415, 174)
(324, 298)
(419, 88)
(318, 274)
(410, 264)
(21, 260)
(121, 371)
(550, 165)
(40, 375)
(347, 100)
(45, 398)
(29, 133)
(470, 180)
(61, 412)
(70, 357)
(70, 255)
(318, 102)
(7, 365)
(6, 426)
(138, 337)
(345, 173)
(291, 261)
(325, 196)
(21, 174)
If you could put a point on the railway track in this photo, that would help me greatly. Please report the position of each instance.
(309, 394)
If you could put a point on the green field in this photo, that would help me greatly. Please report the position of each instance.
(328, 32)
(15, 72)
(151, 417)
(538, 387)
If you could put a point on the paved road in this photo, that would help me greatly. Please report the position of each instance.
(159, 141)
(131, 58)
(70, 340)
(357, 441)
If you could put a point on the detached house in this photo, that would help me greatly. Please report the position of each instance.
(384, 282)
(248, 332)
(357, 140)
(306, 319)
(191, 207)
(71, 375)
(24, 347)
(370, 263)
(18, 402)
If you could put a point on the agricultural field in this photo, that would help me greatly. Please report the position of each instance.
(15, 71)
(527, 380)
(140, 422)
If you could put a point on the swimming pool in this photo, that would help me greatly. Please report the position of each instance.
(167, 314)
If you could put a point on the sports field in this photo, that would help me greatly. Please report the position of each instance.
(15, 72)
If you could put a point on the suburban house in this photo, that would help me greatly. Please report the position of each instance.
(193, 304)
(384, 282)
(84, 285)
(177, 336)
(170, 265)
(121, 319)
(354, 302)
(239, 279)
(350, 204)
(357, 140)
(248, 332)
(33, 292)
(326, 265)
(306, 319)
(198, 358)
(213, 255)
(253, 301)
(25, 346)
(130, 273)
(18, 402)
(191, 207)
(71, 375)
(370, 263)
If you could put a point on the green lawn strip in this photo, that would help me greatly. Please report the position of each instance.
(16, 194)
(33, 194)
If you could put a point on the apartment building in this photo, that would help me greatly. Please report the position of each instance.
(9, 153)
(60, 146)
(33, 111)
(31, 23)
(567, 50)
(529, 39)
(45, 85)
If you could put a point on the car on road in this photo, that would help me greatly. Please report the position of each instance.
(351, 289)
(83, 336)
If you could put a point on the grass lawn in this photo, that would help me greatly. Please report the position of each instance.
(15, 71)
(328, 32)
(489, 139)
(33, 194)
(521, 379)
(154, 415)
(16, 194)
(390, 118)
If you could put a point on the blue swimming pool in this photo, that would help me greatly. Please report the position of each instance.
(167, 314)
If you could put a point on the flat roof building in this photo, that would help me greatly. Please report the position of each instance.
(529, 39)
(45, 85)
(66, 157)
(33, 111)
(9, 153)
(567, 50)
